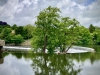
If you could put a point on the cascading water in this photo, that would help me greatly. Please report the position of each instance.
(73, 49)
(13, 48)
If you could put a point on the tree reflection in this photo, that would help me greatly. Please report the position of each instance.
(1, 57)
(17, 54)
(45, 64)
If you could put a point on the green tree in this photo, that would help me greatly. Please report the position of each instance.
(91, 28)
(28, 31)
(4, 26)
(5, 32)
(14, 27)
(46, 29)
(20, 30)
(96, 36)
(18, 39)
(8, 39)
(68, 33)
(84, 36)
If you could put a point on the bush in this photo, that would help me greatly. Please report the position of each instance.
(18, 39)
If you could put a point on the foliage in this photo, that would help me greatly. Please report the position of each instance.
(18, 39)
(5, 32)
(46, 29)
(4, 26)
(25, 31)
(28, 31)
(91, 28)
(19, 30)
(68, 32)
(52, 31)
(9, 37)
(14, 27)
(96, 36)
(84, 36)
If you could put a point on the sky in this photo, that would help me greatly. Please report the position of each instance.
(23, 12)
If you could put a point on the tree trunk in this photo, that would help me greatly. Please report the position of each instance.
(64, 47)
(45, 44)
(69, 47)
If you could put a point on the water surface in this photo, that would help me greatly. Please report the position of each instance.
(23, 63)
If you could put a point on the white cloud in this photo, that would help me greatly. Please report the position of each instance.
(84, 14)
(22, 12)
(8, 10)
(63, 3)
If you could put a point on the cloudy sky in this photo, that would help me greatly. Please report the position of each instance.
(23, 12)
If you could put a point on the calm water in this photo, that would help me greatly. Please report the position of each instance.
(18, 63)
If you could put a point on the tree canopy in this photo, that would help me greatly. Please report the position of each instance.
(53, 31)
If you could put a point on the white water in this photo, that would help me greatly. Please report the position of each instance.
(16, 48)
(78, 49)
(74, 49)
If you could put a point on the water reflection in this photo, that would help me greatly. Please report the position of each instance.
(15, 66)
(1, 57)
(21, 63)
(53, 65)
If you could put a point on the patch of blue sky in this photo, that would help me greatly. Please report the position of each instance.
(88, 2)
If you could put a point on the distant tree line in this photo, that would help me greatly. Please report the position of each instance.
(3, 23)
(15, 34)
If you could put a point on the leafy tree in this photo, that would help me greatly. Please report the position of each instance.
(46, 29)
(84, 35)
(28, 31)
(91, 28)
(52, 31)
(68, 32)
(14, 27)
(20, 30)
(4, 25)
(9, 38)
(5, 32)
(17, 39)
(96, 35)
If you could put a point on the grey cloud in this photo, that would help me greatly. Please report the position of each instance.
(2, 2)
(30, 12)
(8, 10)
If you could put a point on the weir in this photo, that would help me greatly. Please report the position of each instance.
(73, 49)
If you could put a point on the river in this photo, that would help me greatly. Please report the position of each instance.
(24, 63)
